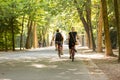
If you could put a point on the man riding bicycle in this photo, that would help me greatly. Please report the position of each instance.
(58, 40)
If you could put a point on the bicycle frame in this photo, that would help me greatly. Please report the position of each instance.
(59, 50)
(72, 52)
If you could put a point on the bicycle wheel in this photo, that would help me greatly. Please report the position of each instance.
(72, 54)
(59, 51)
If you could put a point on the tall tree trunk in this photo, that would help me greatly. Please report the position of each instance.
(13, 35)
(21, 35)
(99, 35)
(6, 47)
(35, 40)
(87, 24)
(44, 36)
(88, 16)
(118, 30)
(28, 40)
(86, 27)
(108, 47)
(117, 16)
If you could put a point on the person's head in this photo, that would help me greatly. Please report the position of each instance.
(57, 30)
(73, 28)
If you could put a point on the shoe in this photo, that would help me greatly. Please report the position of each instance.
(70, 57)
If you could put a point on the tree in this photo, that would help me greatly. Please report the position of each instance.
(108, 47)
(88, 17)
(87, 24)
(117, 16)
(99, 37)
(29, 34)
(21, 34)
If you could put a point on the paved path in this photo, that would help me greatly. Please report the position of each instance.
(44, 64)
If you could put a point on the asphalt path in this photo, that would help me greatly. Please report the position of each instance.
(42, 64)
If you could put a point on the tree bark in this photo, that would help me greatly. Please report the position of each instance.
(28, 40)
(88, 16)
(21, 35)
(99, 37)
(6, 45)
(86, 27)
(35, 40)
(13, 35)
(108, 47)
(88, 19)
(118, 30)
(44, 35)
(87, 24)
(117, 16)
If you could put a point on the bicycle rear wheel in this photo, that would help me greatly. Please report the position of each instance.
(72, 54)
(59, 51)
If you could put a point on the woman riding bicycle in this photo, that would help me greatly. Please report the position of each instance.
(72, 39)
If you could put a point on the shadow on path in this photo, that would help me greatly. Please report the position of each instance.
(43, 64)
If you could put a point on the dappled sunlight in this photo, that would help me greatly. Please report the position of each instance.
(93, 56)
(39, 65)
(96, 71)
(42, 48)
(72, 69)
(43, 66)
(76, 73)
(21, 59)
(6, 79)
(45, 61)
(27, 58)
(57, 59)
(1, 58)
(52, 67)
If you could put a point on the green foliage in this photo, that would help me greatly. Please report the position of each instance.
(47, 14)
(111, 14)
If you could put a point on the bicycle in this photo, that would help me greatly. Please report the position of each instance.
(72, 52)
(59, 49)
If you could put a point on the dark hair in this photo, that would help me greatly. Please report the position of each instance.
(57, 30)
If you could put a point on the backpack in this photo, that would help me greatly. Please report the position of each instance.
(59, 37)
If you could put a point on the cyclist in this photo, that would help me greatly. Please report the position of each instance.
(72, 39)
(58, 37)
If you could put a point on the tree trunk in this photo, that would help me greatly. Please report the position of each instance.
(86, 27)
(21, 35)
(6, 47)
(118, 30)
(13, 36)
(28, 40)
(88, 16)
(87, 24)
(117, 16)
(88, 19)
(44, 36)
(99, 35)
(108, 47)
(35, 40)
